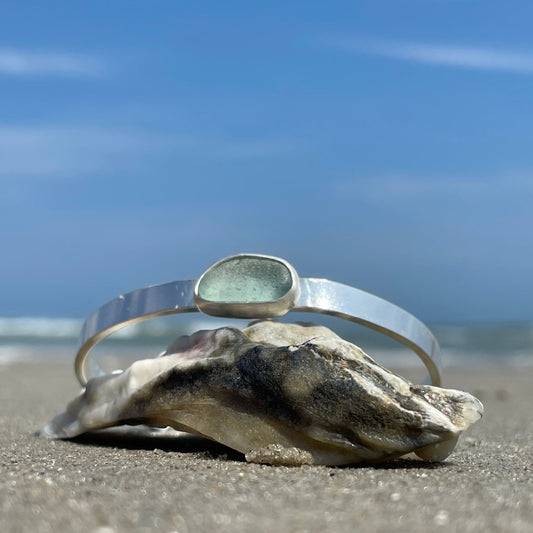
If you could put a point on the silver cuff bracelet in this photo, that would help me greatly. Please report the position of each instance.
(258, 286)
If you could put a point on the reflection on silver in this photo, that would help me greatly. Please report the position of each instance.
(315, 296)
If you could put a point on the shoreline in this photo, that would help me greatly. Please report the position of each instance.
(127, 482)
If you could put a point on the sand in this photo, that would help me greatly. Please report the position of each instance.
(115, 482)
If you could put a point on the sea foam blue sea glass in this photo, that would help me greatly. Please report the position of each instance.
(245, 279)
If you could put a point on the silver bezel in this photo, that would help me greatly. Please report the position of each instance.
(274, 308)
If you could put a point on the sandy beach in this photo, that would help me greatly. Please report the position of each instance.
(119, 482)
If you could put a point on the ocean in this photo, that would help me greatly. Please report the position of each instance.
(37, 339)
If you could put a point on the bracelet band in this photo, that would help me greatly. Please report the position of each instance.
(257, 286)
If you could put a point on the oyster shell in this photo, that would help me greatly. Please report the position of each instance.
(279, 393)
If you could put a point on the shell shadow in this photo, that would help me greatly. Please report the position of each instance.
(150, 439)
(410, 464)
(144, 438)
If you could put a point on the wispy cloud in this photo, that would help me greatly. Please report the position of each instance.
(407, 190)
(62, 150)
(24, 63)
(470, 57)
(47, 150)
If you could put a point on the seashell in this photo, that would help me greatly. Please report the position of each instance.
(279, 393)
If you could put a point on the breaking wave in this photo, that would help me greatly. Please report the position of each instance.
(34, 338)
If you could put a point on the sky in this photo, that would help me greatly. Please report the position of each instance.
(382, 144)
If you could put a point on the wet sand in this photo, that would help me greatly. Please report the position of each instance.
(118, 482)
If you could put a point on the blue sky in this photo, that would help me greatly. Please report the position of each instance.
(384, 144)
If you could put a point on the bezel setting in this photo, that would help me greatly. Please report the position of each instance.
(247, 307)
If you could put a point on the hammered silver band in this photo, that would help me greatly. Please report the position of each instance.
(315, 296)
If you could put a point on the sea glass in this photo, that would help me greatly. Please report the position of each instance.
(245, 279)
